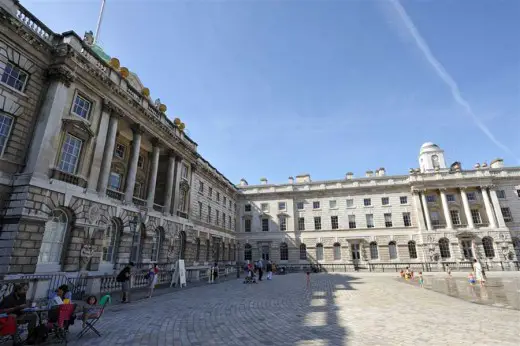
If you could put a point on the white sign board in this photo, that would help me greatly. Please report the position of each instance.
(179, 274)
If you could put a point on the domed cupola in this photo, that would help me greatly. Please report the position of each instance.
(431, 158)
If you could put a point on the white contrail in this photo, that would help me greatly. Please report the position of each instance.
(445, 76)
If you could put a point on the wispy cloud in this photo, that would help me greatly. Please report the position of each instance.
(445, 76)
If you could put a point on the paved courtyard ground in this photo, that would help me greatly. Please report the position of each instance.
(342, 309)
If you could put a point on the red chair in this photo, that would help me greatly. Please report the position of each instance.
(8, 328)
(60, 328)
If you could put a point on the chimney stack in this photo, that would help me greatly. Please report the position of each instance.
(369, 174)
(243, 182)
(349, 175)
(263, 181)
(497, 163)
(291, 180)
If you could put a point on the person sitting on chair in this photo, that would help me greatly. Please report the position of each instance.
(15, 303)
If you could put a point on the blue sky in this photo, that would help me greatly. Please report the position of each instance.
(278, 88)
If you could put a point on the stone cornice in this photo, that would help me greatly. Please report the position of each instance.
(61, 73)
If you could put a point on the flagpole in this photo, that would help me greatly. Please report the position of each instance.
(99, 20)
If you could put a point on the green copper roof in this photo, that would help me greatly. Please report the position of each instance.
(100, 53)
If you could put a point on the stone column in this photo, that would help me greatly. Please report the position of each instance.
(169, 184)
(498, 210)
(467, 209)
(46, 137)
(106, 164)
(446, 209)
(489, 208)
(132, 168)
(418, 210)
(153, 174)
(426, 211)
(178, 163)
(97, 158)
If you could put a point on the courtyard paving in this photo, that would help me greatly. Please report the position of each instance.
(341, 309)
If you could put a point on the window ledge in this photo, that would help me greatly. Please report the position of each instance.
(68, 177)
(10, 88)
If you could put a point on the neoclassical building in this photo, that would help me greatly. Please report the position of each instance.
(435, 213)
(94, 174)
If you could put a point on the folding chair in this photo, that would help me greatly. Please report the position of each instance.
(60, 328)
(89, 324)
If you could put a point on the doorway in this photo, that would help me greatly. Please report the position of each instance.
(265, 252)
(356, 255)
(467, 249)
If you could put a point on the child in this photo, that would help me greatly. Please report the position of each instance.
(421, 280)
(401, 273)
(471, 279)
(90, 310)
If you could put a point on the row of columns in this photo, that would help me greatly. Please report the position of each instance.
(105, 145)
(492, 206)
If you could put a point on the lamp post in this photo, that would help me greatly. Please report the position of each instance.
(133, 229)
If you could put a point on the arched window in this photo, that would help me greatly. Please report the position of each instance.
(182, 236)
(444, 248)
(138, 238)
(156, 243)
(516, 246)
(208, 249)
(374, 253)
(337, 251)
(489, 250)
(412, 250)
(110, 242)
(248, 255)
(53, 238)
(392, 250)
(197, 250)
(319, 252)
(284, 252)
(303, 252)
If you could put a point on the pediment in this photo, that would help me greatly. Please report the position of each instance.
(77, 125)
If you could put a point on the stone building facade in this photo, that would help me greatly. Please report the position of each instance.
(435, 213)
(92, 172)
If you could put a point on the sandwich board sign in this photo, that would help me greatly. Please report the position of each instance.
(179, 274)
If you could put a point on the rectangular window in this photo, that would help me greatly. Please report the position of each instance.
(450, 198)
(224, 220)
(506, 213)
(317, 222)
(283, 223)
(210, 192)
(230, 205)
(407, 220)
(200, 210)
(264, 207)
(137, 189)
(201, 187)
(247, 225)
(247, 207)
(301, 224)
(81, 107)
(70, 152)
(501, 194)
(6, 122)
(282, 205)
(265, 225)
(334, 222)
(316, 205)
(431, 198)
(300, 205)
(385, 201)
(114, 182)
(455, 217)
(13, 76)
(403, 199)
(435, 217)
(224, 201)
(333, 204)
(209, 214)
(350, 203)
(229, 222)
(140, 161)
(218, 196)
(370, 220)
(475, 215)
(184, 171)
(471, 196)
(217, 217)
(388, 220)
(367, 202)
(119, 151)
(352, 221)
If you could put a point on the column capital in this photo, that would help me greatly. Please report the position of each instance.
(137, 129)
(61, 73)
(156, 142)
(111, 107)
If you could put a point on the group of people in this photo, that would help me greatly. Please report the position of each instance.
(124, 278)
(23, 311)
(259, 267)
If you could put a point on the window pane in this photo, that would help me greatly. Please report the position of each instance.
(70, 154)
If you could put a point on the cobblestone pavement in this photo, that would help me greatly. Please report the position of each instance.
(338, 309)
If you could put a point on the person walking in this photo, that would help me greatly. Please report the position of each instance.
(124, 278)
(269, 269)
(260, 266)
(152, 279)
(479, 272)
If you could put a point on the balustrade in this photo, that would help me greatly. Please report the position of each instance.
(34, 24)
